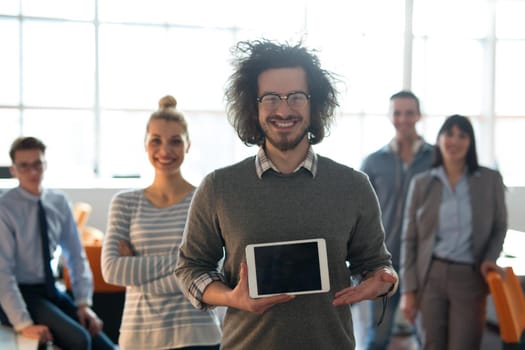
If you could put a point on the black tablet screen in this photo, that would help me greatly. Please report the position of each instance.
(287, 268)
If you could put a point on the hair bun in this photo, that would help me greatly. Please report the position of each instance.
(167, 101)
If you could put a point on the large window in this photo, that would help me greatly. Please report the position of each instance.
(84, 75)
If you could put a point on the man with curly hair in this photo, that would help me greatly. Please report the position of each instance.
(280, 99)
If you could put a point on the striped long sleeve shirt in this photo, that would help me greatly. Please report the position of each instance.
(156, 314)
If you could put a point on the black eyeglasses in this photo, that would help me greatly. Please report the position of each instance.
(295, 99)
(24, 167)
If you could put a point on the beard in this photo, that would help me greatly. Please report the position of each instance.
(284, 142)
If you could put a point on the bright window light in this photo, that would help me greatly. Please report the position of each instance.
(85, 75)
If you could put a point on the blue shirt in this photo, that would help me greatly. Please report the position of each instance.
(21, 250)
(454, 228)
(390, 177)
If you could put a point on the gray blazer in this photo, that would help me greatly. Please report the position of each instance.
(489, 223)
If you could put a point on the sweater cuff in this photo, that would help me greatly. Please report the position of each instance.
(394, 287)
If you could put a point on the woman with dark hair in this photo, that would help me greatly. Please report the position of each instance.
(455, 224)
(464, 127)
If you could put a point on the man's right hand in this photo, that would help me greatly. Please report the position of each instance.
(240, 296)
(217, 293)
(37, 331)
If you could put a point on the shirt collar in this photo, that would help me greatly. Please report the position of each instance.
(439, 172)
(393, 146)
(263, 163)
(28, 195)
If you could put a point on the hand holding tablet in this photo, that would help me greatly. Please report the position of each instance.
(290, 267)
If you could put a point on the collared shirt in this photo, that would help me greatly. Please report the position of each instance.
(454, 229)
(263, 163)
(21, 252)
(416, 146)
(390, 177)
(233, 208)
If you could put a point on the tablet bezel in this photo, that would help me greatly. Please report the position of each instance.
(323, 267)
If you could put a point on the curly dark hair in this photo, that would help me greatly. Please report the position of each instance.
(255, 57)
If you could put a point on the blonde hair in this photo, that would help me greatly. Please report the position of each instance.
(167, 111)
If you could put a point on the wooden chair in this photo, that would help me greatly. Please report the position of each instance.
(81, 212)
(93, 253)
(509, 302)
(92, 241)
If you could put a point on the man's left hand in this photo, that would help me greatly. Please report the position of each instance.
(379, 283)
(89, 320)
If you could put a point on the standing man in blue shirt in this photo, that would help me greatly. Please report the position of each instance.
(29, 216)
(390, 170)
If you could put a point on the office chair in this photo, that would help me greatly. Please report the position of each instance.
(509, 302)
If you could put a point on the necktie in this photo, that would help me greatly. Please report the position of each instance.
(50, 279)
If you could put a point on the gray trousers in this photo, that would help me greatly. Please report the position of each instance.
(453, 307)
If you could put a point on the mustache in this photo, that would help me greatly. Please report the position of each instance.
(281, 118)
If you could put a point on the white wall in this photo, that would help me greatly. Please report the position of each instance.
(516, 208)
(99, 195)
(100, 199)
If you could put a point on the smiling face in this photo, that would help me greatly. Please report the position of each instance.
(28, 167)
(404, 115)
(454, 145)
(166, 144)
(284, 127)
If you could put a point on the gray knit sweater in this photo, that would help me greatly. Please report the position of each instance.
(233, 208)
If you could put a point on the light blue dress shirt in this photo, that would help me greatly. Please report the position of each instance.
(454, 229)
(391, 177)
(21, 252)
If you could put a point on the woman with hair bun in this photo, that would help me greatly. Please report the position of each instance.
(142, 242)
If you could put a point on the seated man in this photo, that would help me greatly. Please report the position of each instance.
(33, 222)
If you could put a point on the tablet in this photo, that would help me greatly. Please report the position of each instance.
(291, 267)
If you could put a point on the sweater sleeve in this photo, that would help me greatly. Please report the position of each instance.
(160, 286)
(202, 245)
(129, 270)
(367, 250)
